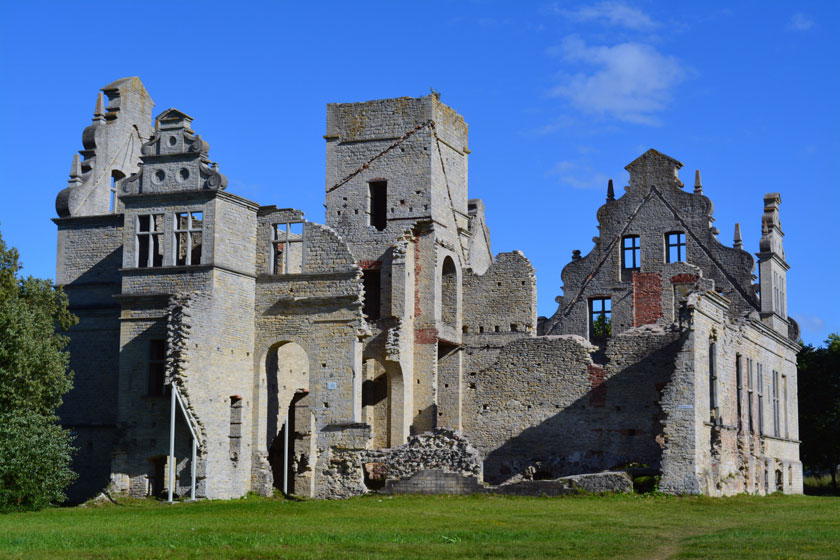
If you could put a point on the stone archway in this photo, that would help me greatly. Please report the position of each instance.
(383, 403)
(290, 421)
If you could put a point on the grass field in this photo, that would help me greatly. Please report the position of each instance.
(623, 526)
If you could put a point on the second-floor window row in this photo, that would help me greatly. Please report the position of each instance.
(186, 242)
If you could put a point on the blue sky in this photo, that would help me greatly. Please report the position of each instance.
(559, 98)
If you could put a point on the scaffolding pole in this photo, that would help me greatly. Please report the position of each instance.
(171, 442)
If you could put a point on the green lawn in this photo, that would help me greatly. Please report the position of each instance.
(435, 527)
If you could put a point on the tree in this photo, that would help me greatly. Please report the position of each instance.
(819, 406)
(35, 452)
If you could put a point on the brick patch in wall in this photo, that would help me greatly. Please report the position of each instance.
(597, 377)
(370, 265)
(647, 298)
(425, 336)
(684, 278)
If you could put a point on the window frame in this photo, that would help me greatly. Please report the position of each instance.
(154, 239)
(605, 311)
(635, 251)
(286, 241)
(188, 233)
(679, 245)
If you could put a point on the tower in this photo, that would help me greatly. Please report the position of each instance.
(772, 267)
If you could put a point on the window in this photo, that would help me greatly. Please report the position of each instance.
(785, 404)
(235, 427)
(739, 382)
(600, 317)
(188, 238)
(750, 424)
(760, 387)
(631, 253)
(149, 246)
(372, 284)
(714, 413)
(157, 359)
(287, 248)
(674, 247)
(377, 203)
(449, 292)
(115, 176)
(777, 424)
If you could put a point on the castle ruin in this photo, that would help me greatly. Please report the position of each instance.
(226, 347)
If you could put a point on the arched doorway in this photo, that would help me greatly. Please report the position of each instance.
(383, 403)
(290, 420)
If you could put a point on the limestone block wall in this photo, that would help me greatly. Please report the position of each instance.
(88, 259)
(319, 311)
(545, 405)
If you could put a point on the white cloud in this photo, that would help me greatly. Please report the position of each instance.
(579, 176)
(612, 13)
(629, 81)
(810, 323)
(800, 22)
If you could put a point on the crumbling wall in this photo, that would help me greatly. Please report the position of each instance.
(546, 408)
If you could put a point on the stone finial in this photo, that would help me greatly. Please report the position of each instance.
(76, 169)
(610, 191)
(698, 186)
(99, 110)
(576, 254)
(738, 244)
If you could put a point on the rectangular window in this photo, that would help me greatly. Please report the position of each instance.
(149, 248)
(675, 247)
(785, 405)
(157, 359)
(750, 424)
(631, 253)
(378, 204)
(714, 413)
(777, 424)
(373, 287)
(235, 427)
(760, 383)
(188, 238)
(600, 318)
(739, 383)
(287, 248)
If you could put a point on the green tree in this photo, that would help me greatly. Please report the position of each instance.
(819, 406)
(35, 452)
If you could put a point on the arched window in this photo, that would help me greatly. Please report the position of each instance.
(449, 292)
(115, 176)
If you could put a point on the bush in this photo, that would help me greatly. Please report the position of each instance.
(34, 461)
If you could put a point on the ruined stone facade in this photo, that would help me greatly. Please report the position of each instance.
(390, 348)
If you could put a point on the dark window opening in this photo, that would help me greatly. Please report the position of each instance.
(449, 292)
(739, 382)
(157, 359)
(372, 283)
(188, 238)
(675, 247)
(149, 240)
(760, 383)
(714, 413)
(157, 480)
(631, 253)
(235, 427)
(600, 318)
(378, 193)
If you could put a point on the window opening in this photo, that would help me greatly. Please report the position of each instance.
(760, 387)
(115, 176)
(675, 247)
(157, 359)
(750, 424)
(449, 292)
(378, 201)
(287, 248)
(739, 382)
(713, 393)
(372, 282)
(600, 317)
(777, 428)
(235, 427)
(149, 246)
(188, 237)
(785, 404)
(631, 253)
